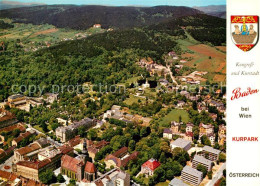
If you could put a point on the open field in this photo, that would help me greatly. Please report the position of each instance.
(174, 116)
(166, 183)
(133, 99)
(207, 58)
(204, 58)
(51, 30)
(33, 37)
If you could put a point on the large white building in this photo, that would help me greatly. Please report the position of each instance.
(203, 161)
(114, 177)
(182, 143)
(191, 175)
(66, 133)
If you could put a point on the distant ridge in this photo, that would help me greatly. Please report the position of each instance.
(214, 10)
(15, 4)
(84, 17)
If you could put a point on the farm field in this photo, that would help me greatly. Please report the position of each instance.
(32, 37)
(207, 58)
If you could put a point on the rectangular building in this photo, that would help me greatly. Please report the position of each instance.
(181, 143)
(201, 160)
(210, 153)
(191, 175)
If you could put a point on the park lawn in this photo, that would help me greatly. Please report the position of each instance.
(166, 183)
(37, 127)
(174, 116)
(133, 99)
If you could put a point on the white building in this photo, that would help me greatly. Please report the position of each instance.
(181, 143)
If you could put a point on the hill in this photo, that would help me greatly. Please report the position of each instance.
(106, 58)
(214, 10)
(202, 27)
(83, 17)
(14, 4)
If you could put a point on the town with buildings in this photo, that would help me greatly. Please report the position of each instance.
(120, 146)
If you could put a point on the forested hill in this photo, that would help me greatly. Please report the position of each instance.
(83, 17)
(202, 27)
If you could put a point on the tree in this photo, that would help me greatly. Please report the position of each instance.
(210, 175)
(159, 174)
(72, 182)
(205, 140)
(60, 178)
(16, 132)
(81, 131)
(169, 174)
(224, 172)
(222, 182)
(222, 157)
(92, 134)
(203, 169)
(54, 126)
(47, 177)
(131, 145)
(194, 105)
(162, 158)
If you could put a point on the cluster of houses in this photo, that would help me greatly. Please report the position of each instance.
(25, 103)
(30, 161)
(204, 129)
(154, 68)
(65, 133)
(122, 114)
(190, 174)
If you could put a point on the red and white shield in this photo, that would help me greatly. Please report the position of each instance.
(244, 31)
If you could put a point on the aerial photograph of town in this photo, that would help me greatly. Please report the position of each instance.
(112, 93)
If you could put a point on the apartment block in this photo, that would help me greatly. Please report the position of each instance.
(191, 175)
(201, 160)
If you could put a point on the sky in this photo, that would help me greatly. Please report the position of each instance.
(189, 3)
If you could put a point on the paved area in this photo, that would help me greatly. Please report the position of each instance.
(8, 163)
(217, 175)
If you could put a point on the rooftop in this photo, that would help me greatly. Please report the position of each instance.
(70, 163)
(50, 152)
(201, 159)
(177, 182)
(168, 131)
(120, 152)
(34, 165)
(189, 170)
(151, 164)
(30, 148)
(7, 175)
(174, 123)
(22, 136)
(206, 126)
(182, 143)
(210, 149)
(90, 167)
(13, 127)
(15, 96)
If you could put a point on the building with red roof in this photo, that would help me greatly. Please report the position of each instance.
(90, 172)
(75, 168)
(120, 158)
(149, 167)
(188, 136)
(72, 167)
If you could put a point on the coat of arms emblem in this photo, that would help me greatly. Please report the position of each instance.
(244, 31)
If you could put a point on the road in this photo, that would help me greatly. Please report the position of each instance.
(172, 77)
(217, 175)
